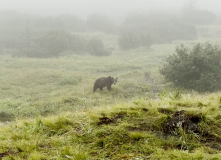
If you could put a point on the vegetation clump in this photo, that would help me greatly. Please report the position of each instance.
(198, 68)
(96, 48)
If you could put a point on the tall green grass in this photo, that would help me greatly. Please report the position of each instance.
(129, 130)
(31, 87)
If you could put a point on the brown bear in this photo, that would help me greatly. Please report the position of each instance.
(104, 82)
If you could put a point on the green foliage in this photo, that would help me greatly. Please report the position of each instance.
(55, 42)
(130, 39)
(96, 48)
(197, 69)
(136, 130)
(145, 30)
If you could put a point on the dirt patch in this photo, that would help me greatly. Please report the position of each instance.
(165, 111)
(7, 153)
(142, 127)
(106, 120)
(45, 146)
(216, 146)
(144, 109)
(188, 122)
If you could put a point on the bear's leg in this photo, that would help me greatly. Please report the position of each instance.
(101, 88)
(95, 88)
(109, 88)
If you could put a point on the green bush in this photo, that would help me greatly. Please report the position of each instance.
(96, 48)
(54, 42)
(198, 68)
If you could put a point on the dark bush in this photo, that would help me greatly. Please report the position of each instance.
(198, 68)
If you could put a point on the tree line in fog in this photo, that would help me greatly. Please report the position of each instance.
(32, 36)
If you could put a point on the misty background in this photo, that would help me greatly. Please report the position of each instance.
(111, 7)
(49, 28)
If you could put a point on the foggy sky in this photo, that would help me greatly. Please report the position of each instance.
(109, 7)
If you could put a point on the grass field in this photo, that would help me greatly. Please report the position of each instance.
(32, 87)
(171, 127)
(54, 114)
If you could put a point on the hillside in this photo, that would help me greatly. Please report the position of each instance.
(175, 126)
(49, 111)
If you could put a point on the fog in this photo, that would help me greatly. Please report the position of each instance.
(83, 8)
(27, 24)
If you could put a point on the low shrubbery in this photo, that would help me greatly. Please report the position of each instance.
(96, 48)
(56, 42)
(198, 68)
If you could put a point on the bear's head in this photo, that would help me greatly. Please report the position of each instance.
(112, 80)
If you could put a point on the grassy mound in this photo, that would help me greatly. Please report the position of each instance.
(171, 127)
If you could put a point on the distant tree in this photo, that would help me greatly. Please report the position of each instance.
(198, 69)
(96, 48)
(78, 44)
(194, 15)
(55, 42)
(145, 30)
(128, 40)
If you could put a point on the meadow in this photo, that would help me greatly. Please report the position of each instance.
(49, 111)
(32, 87)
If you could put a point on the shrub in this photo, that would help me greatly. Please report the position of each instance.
(198, 69)
(55, 42)
(96, 47)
